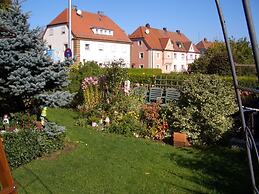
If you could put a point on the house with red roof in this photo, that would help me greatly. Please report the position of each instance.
(203, 45)
(160, 48)
(95, 37)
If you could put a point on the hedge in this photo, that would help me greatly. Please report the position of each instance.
(26, 145)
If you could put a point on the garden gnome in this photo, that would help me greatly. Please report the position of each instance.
(127, 86)
(107, 121)
(43, 115)
(6, 122)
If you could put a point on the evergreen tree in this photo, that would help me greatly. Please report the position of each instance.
(26, 71)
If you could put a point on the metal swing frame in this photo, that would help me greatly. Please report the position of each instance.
(251, 148)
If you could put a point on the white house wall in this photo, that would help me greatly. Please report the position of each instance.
(57, 37)
(104, 52)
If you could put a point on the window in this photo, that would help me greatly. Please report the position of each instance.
(168, 55)
(100, 47)
(196, 56)
(166, 67)
(51, 32)
(87, 46)
(63, 30)
(140, 43)
(158, 66)
(141, 66)
(175, 56)
(157, 55)
(182, 67)
(191, 57)
(182, 56)
(174, 67)
(141, 55)
(49, 47)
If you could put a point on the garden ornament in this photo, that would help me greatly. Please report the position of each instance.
(107, 120)
(127, 86)
(43, 115)
(6, 121)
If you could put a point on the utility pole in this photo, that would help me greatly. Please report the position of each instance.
(69, 22)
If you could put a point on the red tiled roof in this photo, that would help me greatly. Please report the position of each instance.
(163, 42)
(204, 44)
(82, 26)
(154, 36)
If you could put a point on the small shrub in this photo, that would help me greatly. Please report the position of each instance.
(25, 145)
(128, 126)
(205, 108)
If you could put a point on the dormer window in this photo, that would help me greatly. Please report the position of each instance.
(179, 44)
(102, 31)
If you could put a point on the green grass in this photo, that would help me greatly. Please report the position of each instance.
(107, 163)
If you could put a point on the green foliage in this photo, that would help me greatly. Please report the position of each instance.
(26, 69)
(111, 84)
(25, 145)
(79, 71)
(4, 4)
(146, 71)
(215, 60)
(76, 75)
(219, 64)
(128, 125)
(205, 108)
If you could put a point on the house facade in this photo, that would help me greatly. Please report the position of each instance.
(95, 37)
(159, 48)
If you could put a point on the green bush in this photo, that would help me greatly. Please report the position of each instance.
(76, 74)
(25, 145)
(152, 72)
(128, 126)
(245, 81)
(204, 109)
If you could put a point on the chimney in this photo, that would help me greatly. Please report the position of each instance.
(164, 28)
(147, 25)
(101, 13)
(178, 31)
(205, 40)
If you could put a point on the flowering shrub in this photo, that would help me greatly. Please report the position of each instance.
(91, 91)
(156, 122)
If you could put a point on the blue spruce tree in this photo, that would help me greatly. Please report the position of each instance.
(26, 71)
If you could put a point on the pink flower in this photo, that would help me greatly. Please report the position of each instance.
(89, 81)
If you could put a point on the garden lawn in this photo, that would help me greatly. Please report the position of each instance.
(96, 162)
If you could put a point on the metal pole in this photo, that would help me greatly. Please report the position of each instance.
(233, 71)
(252, 34)
(69, 22)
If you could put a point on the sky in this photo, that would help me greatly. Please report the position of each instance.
(197, 19)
